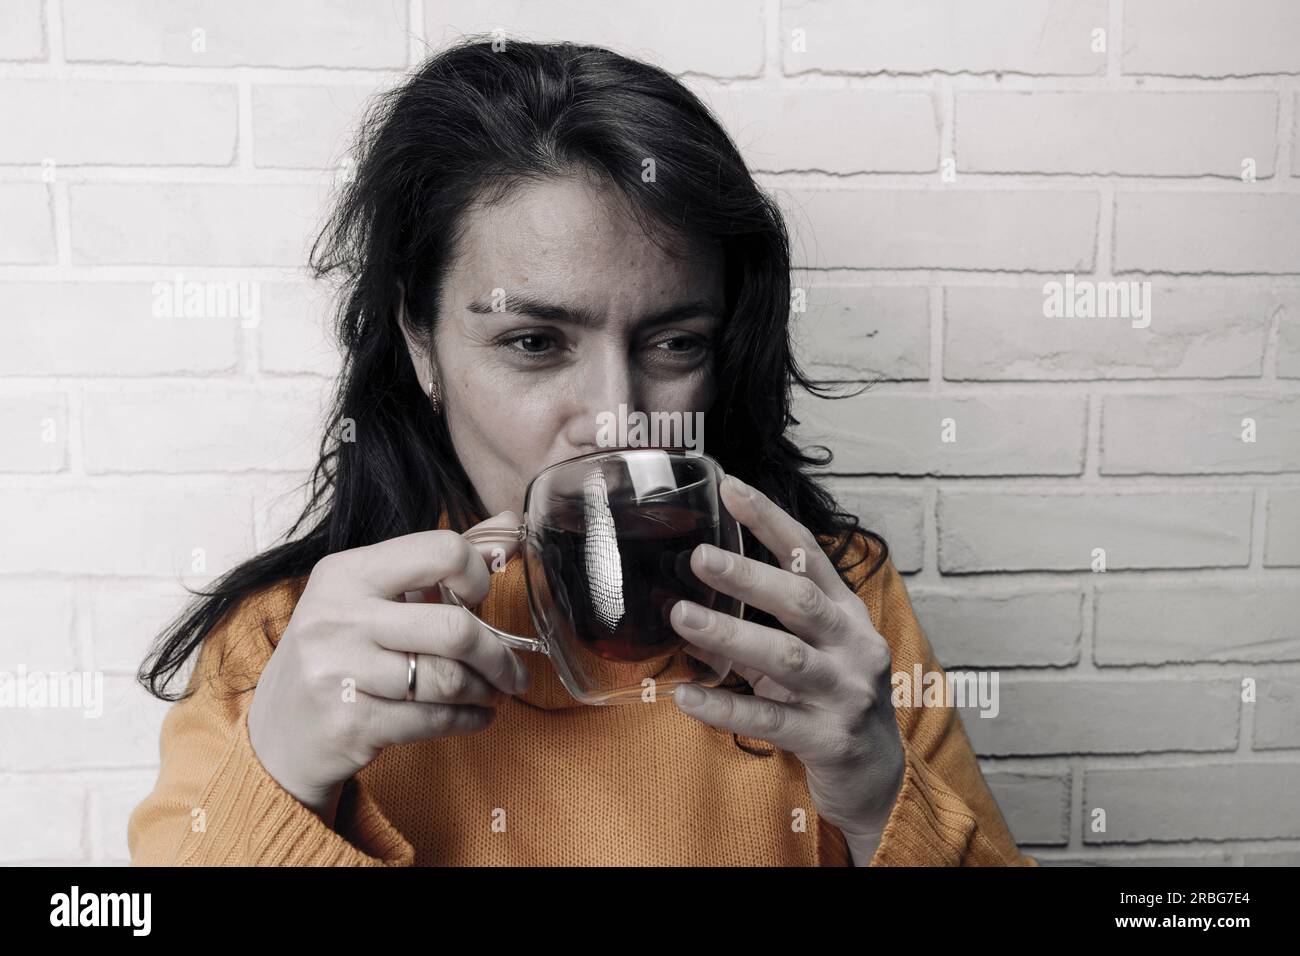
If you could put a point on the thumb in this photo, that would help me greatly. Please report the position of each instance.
(495, 540)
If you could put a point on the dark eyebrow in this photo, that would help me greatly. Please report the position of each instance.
(549, 312)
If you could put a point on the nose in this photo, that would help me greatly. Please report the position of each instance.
(606, 396)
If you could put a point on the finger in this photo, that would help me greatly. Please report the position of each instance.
(794, 600)
(785, 725)
(407, 563)
(438, 680)
(786, 538)
(412, 562)
(444, 630)
(409, 721)
(785, 658)
(497, 549)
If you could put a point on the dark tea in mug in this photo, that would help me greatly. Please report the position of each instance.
(622, 564)
(607, 542)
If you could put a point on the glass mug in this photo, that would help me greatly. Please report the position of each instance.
(606, 544)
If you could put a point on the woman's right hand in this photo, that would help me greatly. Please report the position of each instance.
(351, 630)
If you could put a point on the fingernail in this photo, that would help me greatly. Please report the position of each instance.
(739, 487)
(522, 679)
(689, 694)
(716, 560)
(695, 617)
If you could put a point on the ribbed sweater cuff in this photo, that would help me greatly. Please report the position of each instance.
(930, 824)
(253, 821)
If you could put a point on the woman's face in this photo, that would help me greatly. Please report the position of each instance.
(558, 308)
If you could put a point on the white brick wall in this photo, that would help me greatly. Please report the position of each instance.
(939, 160)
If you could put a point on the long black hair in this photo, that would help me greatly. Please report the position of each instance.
(471, 122)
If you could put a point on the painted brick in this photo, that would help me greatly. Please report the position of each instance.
(903, 434)
(205, 429)
(287, 33)
(28, 235)
(1002, 629)
(1222, 801)
(118, 124)
(116, 530)
(1277, 714)
(725, 38)
(108, 328)
(1211, 38)
(1199, 434)
(1035, 806)
(34, 433)
(203, 224)
(23, 33)
(1058, 532)
(306, 127)
(1230, 233)
(864, 332)
(897, 516)
(834, 131)
(1161, 625)
(922, 36)
(993, 334)
(1282, 534)
(1033, 231)
(1072, 716)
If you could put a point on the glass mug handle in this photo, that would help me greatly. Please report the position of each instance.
(504, 536)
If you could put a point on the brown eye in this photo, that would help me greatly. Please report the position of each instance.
(686, 346)
(530, 345)
(534, 339)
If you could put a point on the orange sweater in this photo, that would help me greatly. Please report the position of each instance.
(550, 781)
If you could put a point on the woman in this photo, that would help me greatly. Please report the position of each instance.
(536, 235)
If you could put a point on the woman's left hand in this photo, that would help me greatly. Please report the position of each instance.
(821, 692)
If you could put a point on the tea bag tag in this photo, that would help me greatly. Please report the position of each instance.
(650, 474)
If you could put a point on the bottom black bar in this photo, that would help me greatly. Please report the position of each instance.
(376, 905)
